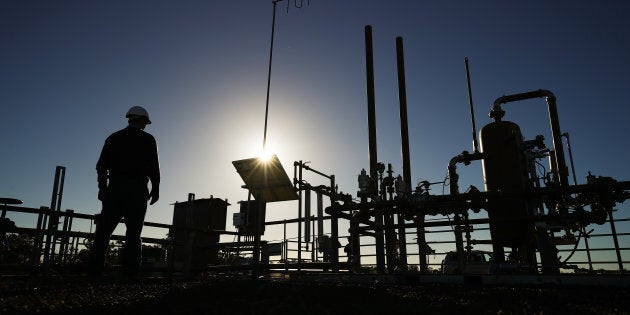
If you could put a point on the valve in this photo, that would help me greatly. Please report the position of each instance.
(400, 186)
(365, 184)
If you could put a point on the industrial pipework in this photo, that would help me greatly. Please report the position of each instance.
(522, 215)
(562, 174)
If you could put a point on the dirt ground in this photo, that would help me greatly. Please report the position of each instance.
(245, 295)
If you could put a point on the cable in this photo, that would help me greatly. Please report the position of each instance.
(577, 242)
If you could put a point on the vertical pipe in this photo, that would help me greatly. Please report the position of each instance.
(402, 98)
(307, 216)
(258, 229)
(379, 228)
(37, 248)
(75, 246)
(404, 136)
(355, 240)
(563, 170)
(190, 234)
(296, 185)
(313, 241)
(369, 66)
(459, 243)
(334, 226)
(53, 199)
(63, 244)
(50, 218)
(391, 241)
(285, 249)
(320, 218)
(70, 221)
(62, 177)
(53, 222)
(45, 211)
(299, 258)
(320, 213)
(566, 135)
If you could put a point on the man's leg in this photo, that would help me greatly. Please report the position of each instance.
(132, 251)
(107, 222)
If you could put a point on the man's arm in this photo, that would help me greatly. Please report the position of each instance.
(154, 174)
(101, 171)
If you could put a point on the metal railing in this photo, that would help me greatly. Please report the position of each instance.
(62, 245)
(601, 258)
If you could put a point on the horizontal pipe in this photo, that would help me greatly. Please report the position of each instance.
(532, 219)
(308, 168)
(442, 201)
(522, 96)
(295, 220)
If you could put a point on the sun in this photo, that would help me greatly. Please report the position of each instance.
(265, 154)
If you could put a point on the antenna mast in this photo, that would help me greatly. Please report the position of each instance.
(273, 28)
(472, 112)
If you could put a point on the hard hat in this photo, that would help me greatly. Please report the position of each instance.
(138, 111)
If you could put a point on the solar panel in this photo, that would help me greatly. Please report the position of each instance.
(266, 179)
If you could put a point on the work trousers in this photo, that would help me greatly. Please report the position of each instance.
(126, 198)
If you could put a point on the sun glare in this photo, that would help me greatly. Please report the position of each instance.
(265, 154)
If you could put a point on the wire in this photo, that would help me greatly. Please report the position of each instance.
(577, 242)
(541, 171)
(541, 168)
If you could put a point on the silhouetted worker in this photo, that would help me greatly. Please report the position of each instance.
(128, 161)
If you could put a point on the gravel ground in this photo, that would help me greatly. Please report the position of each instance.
(229, 295)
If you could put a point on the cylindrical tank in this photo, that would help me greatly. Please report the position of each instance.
(505, 170)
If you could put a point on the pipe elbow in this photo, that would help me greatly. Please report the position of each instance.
(547, 94)
(454, 160)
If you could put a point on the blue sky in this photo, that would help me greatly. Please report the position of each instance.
(69, 70)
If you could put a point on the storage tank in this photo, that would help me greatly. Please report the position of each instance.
(505, 170)
(193, 237)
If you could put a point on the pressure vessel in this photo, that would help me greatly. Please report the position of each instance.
(505, 170)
